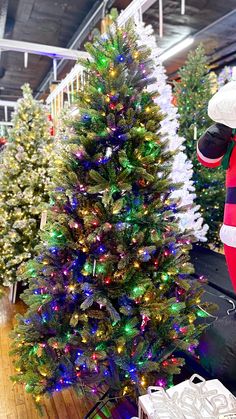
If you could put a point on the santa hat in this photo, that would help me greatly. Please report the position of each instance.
(222, 106)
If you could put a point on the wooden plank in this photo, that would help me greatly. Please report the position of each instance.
(30, 408)
(50, 408)
(60, 406)
(70, 405)
(83, 404)
(22, 412)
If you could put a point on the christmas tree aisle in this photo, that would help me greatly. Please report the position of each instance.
(23, 185)
(182, 169)
(110, 298)
(193, 93)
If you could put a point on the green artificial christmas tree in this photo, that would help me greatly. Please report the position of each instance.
(24, 181)
(193, 93)
(110, 294)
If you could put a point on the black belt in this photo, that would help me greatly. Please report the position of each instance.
(231, 195)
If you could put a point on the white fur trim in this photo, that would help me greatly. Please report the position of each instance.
(222, 106)
(206, 159)
(228, 235)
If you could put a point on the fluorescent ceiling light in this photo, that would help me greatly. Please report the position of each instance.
(176, 48)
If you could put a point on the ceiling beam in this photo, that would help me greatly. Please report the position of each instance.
(3, 16)
(217, 27)
(24, 10)
(84, 29)
(40, 49)
(8, 103)
(91, 20)
(134, 7)
(8, 124)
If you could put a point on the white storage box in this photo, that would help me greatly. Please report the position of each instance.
(189, 400)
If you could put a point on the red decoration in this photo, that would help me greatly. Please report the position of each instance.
(51, 129)
(156, 263)
(67, 349)
(180, 291)
(3, 141)
(174, 101)
(142, 182)
(107, 280)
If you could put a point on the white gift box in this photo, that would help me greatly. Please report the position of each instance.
(189, 400)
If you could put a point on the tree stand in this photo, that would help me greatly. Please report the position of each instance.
(98, 406)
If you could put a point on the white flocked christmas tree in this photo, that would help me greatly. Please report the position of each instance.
(182, 168)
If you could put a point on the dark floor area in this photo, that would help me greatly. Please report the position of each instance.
(212, 265)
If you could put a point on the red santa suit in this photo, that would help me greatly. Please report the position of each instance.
(218, 145)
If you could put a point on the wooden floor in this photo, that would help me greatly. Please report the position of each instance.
(14, 402)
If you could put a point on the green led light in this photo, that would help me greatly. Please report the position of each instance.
(32, 273)
(56, 234)
(88, 267)
(138, 291)
(100, 269)
(201, 313)
(34, 350)
(165, 277)
(175, 307)
(128, 329)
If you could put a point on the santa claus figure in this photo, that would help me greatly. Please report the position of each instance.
(216, 147)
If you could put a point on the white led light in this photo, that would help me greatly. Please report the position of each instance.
(176, 48)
